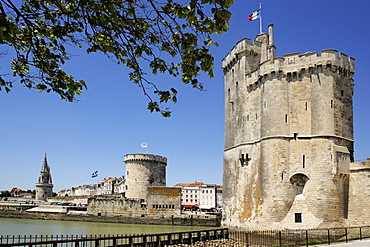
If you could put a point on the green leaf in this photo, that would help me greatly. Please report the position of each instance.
(174, 39)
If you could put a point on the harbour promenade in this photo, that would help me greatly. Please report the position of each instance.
(353, 243)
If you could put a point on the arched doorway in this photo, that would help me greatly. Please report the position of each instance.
(299, 180)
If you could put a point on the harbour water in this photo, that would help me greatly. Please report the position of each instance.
(50, 227)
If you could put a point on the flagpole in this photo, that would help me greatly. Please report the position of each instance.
(97, 187)
(260, 17)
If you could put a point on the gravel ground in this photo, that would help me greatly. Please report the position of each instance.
(231, 243)
(212, 243)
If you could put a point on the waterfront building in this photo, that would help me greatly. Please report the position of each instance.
(120, 185)
(199, 195)
(104, 187)
(219, 199)
(107, 186)
(208, 199)
(15, 192)
(44, 187)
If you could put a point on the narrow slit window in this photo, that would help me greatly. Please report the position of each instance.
(286, 118)
(304, 161)
(306, 106)
(331, 104)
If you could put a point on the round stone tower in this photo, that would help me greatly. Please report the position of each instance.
(288, 136)
(44, 187)
(143, 170)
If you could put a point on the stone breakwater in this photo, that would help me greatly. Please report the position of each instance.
(212, 243)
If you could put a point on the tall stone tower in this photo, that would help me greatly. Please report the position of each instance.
(288, 136)
(44, 188)
(143, 170)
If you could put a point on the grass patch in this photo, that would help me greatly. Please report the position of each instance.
(317, 241)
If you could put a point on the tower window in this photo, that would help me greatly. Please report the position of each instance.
(331, 104)
(286, 118)
(306, 106)
(298, 217)
(341, 92)
(303, 161)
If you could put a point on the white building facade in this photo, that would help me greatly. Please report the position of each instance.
(199, 195)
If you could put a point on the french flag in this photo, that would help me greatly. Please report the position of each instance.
(254, 15)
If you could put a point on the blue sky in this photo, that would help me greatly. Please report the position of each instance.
(111, 119)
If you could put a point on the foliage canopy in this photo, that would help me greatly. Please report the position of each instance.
(162, 36)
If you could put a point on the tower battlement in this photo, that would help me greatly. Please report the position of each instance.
(291, 63)
(294, 66)
(146, 157)
(242, 47)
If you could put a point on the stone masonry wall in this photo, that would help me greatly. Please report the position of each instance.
(359, 194)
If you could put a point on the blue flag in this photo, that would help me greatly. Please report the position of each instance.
(94, 174)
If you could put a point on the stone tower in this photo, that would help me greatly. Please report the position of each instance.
(143, 170)
(288, 136)
(44, 188)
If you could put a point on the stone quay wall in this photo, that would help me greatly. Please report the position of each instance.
(16, 212)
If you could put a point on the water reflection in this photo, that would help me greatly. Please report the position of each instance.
(49, 227)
